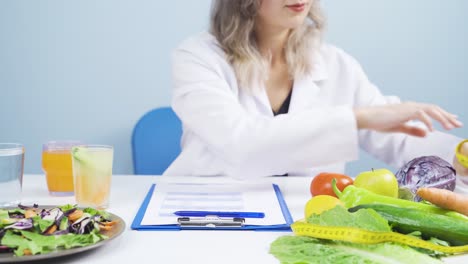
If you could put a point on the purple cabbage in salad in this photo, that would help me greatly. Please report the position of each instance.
(25, 223)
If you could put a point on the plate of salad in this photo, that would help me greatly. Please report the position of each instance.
(41, 232)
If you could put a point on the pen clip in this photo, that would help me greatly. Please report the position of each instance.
(210, 222)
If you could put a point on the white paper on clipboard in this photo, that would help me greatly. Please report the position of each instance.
(230, 197)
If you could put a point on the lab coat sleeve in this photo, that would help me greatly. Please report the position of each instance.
(396, 149)
(252, 144)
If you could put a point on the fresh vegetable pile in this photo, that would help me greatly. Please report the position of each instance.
(308, 250)
(367, 221)
(31, 231)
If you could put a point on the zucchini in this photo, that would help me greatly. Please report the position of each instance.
(403, 220)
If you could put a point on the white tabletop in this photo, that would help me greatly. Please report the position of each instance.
(177, 246)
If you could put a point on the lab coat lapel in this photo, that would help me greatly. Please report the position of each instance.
(261, 99)
(306, 90)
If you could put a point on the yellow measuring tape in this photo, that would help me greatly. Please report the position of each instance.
(361, 236)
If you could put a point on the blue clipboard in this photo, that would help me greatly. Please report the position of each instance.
(136, 224)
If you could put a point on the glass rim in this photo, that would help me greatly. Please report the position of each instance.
(7, 149)
(94, 146)
(59, 145)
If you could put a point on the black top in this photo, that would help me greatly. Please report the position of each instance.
(285, 106)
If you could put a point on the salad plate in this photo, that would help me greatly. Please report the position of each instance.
(112, 234)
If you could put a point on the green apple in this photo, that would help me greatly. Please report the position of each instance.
(380, 181)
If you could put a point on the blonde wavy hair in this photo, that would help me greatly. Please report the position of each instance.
(233, 23)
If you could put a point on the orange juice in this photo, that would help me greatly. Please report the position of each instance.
(92, 171)
(57, 166)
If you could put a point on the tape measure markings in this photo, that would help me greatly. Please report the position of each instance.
(361, 236)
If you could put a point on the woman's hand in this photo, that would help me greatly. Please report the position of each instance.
(395, 117)
(462, 170)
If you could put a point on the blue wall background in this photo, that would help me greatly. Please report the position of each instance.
(89, 69)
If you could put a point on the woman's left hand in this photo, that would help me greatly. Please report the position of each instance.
(462, 170)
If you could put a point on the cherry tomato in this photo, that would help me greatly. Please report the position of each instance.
(322, 183)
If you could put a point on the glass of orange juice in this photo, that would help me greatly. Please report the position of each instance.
(92, 172)
(57, 166)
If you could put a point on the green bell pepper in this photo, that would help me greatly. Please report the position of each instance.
(353, 196)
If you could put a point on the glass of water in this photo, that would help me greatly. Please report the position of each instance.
(11, 173)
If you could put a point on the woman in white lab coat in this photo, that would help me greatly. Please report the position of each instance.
(261, 95)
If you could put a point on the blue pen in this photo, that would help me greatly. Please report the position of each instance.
(220, 214)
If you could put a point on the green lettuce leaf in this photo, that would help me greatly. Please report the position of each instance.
(42, 224)
(307, 250)
(66, 207)
(4, 214)
(64, 223)
(71, 240)
(367, 219)
(4, 218)
(16, 211)
(40, 244)
(93, 212)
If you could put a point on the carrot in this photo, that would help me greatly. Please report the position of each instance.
(445, 199)
(51, 230)
(29, 213)
(109, 223)
(105, 227)
(77, 214)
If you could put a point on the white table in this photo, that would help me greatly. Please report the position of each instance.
(128, 191)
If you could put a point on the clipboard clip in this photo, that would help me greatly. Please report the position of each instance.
(210, 221)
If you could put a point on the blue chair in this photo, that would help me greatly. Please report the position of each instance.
(156, 141)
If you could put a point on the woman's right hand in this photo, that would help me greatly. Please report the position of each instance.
(395, 117)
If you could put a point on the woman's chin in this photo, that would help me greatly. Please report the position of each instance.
(294, 23)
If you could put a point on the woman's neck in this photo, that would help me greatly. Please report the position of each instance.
(271, 42)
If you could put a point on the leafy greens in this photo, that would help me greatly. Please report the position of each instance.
(30, 230)
(305, 250)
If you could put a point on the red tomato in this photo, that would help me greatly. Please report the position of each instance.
(322, 183)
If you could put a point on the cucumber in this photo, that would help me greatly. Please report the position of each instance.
(403, 220)
(80, 155)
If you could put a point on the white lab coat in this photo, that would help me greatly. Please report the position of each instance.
(229, 130)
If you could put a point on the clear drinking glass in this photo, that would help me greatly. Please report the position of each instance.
(11, 173)
(92, 173)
